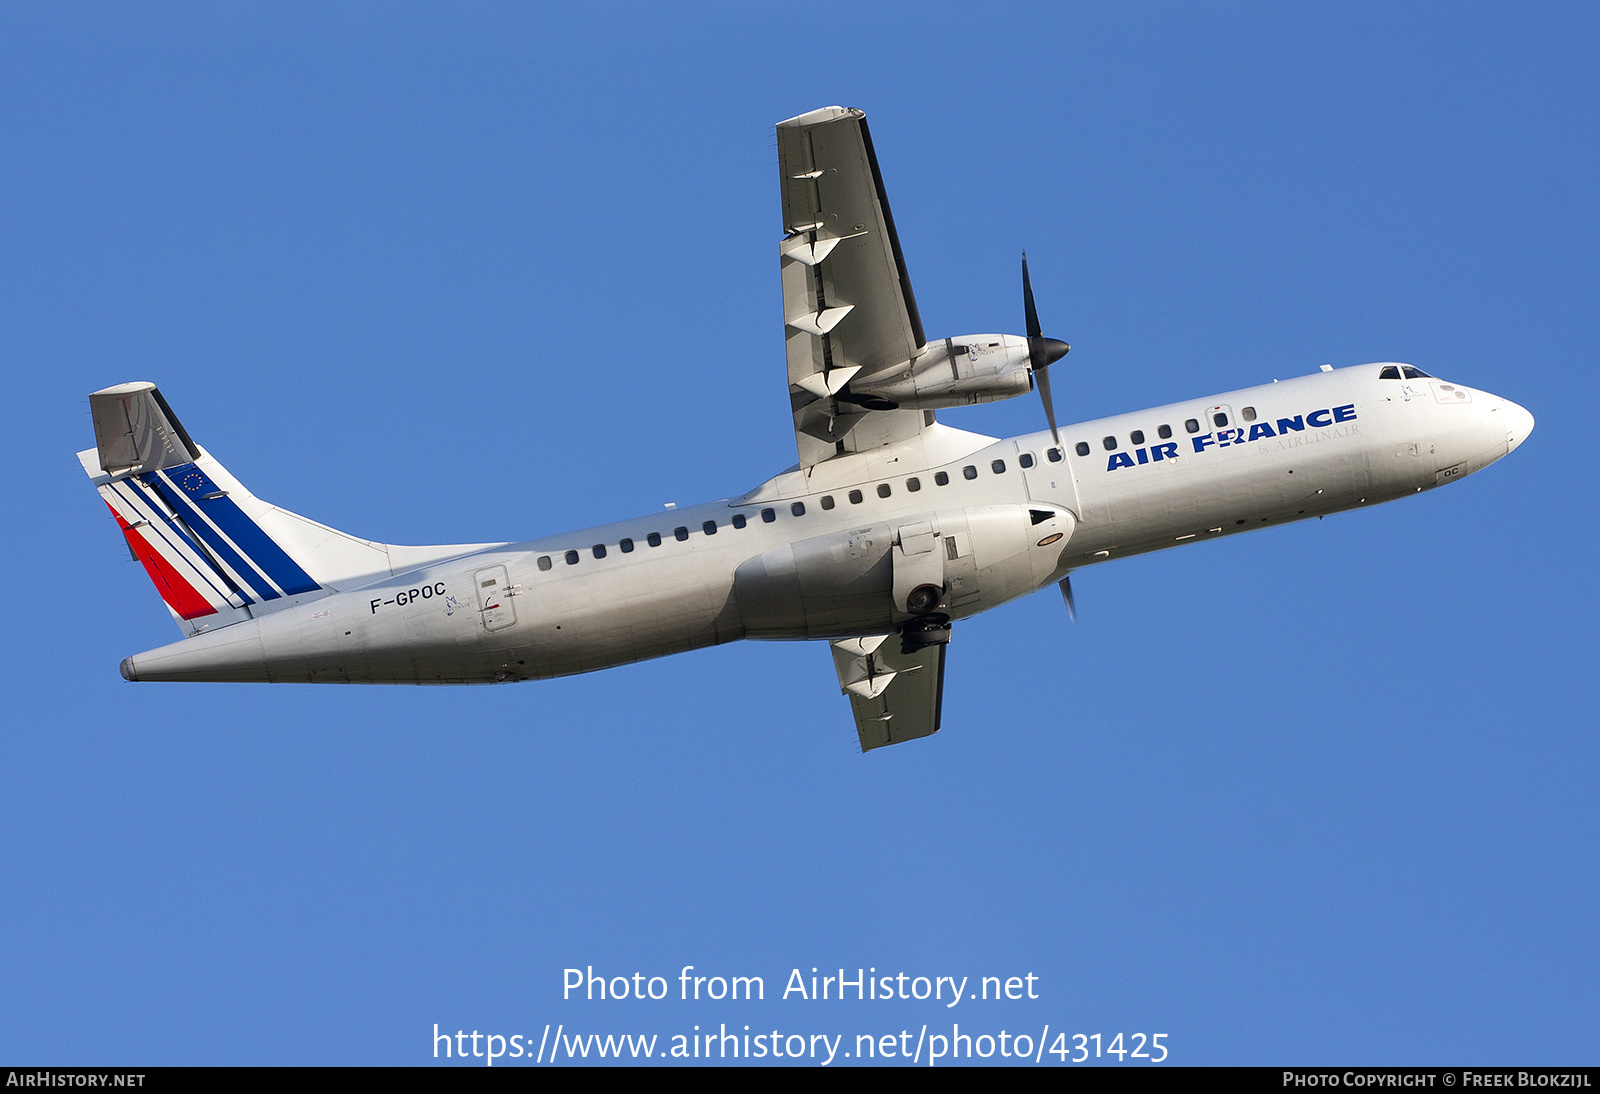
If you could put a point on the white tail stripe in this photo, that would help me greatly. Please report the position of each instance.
(245, 581)
(151, 527)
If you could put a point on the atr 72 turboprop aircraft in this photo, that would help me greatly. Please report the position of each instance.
(890, 529)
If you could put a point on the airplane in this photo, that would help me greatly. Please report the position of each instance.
(891, 528)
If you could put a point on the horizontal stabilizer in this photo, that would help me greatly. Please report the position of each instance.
(135, 430)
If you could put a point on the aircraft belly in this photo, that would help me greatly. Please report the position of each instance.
(632, 614)
(833, 585)
(855, 581)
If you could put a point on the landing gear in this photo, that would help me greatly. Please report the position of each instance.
(924, 631)
(924, 599)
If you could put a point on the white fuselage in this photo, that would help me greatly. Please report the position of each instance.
(815, 555)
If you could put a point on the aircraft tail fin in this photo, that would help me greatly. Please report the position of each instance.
(216, 552)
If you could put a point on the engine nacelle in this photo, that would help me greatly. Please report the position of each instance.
(877, 578)
(976, 368)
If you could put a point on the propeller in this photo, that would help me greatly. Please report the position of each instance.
(1042, 351)
(1066, 595)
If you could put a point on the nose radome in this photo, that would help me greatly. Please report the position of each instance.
(1519, 423)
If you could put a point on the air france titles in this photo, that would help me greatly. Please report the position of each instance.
(1324, 421)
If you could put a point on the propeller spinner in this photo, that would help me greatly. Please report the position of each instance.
(1042, 351)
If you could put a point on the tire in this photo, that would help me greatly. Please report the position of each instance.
(924, 599)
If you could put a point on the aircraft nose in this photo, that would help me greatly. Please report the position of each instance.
(1519, 423)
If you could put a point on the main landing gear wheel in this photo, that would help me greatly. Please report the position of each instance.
(924, 631)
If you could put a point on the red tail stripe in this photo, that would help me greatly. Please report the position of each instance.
(180, 596)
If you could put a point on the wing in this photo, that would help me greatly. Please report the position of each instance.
(895, 696)
(847, 302)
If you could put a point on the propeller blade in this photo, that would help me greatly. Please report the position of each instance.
(1042, 351)
(1066, 596)
(1042, 377)
(1032, 313)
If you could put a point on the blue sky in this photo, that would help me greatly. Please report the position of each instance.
(1323, 794)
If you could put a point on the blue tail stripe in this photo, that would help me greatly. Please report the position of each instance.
(258, 547)
(219, 545)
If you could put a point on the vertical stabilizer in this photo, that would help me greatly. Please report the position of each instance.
(216, 552)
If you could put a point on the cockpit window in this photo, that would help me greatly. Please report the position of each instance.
(1413, 373)
(1389, 372)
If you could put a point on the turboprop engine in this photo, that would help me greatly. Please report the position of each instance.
(975, 368)
(917, 573)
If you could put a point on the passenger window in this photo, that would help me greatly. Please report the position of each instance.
(738, 520)
(680, 533)
(1192, 426)
(1136, 437)
(1110, 443)
(544, 562)
(599, 550)
(913, 485)
(855, 497)
(709, 527)
(768, 516)
(1054, 454)
(827, 501)
(1164, 431)
(653, 539)
(998, 467)
(1026, 460)
(969, 472)
(627, 546)
(1389, 372)
(798, 508)
(941, 478)
(883, 490)
(1220, 420)
(1248, 413)
(1413, 373)
(572, 558)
